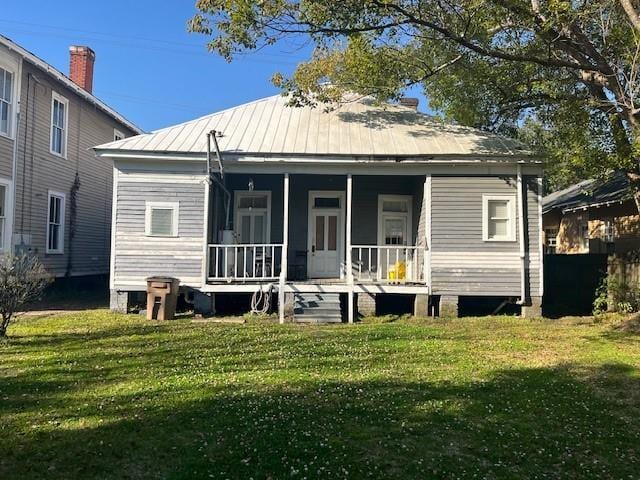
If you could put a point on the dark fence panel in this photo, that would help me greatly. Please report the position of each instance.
(570, 283)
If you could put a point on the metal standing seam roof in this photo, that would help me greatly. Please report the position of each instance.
(61, 77)
(589, 193)
(360, 127)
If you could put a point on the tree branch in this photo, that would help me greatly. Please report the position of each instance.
(631, 13)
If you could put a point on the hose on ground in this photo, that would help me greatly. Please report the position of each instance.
(261, 300)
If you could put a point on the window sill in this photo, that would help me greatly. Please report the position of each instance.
(58, 154)
(7, 136)
(499, 240)
(54, 252)
(161, 236)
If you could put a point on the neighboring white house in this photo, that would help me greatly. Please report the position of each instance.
(347, 204)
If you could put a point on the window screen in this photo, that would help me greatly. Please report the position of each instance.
(161, 221)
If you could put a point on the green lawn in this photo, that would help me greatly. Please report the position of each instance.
(95, 395)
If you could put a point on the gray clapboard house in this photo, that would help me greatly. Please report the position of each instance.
(350, 203)
(55, 196)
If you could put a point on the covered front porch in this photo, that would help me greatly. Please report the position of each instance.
(319, 233)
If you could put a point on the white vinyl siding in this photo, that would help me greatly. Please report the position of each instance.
(499, 218)
(59, 124)
(6, 101)
(55, 223)
(252, 217)
(161, 219)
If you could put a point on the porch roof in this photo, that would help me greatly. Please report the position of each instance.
(361, 127)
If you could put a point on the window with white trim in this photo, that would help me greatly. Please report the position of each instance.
(6, 101)
(499, 218)
(161, 219)
(550, 239)
(394, 219)
(253, 217)
(117, 135)
(4, 192)
(608, 231)
(584, 236)
(55, 223)
(59, 124)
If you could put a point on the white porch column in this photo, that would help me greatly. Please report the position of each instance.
(285, 248)
(349, 256)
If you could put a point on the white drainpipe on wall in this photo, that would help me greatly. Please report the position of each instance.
(521, 225)
(14, 159)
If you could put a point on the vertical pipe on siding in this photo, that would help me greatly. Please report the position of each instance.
(205, 230)
(540, 244)
(523, 280)
(427, 202)
(285, 248)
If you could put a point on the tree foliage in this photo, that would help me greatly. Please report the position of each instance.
(22, 280)
(561, 74)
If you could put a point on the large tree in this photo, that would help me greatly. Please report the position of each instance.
(561, 74)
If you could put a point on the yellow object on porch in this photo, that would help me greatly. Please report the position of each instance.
(398, 271)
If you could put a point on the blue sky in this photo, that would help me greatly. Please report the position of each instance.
(148, 67)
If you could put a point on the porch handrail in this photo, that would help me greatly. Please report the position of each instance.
(389, 263)
(244, 262)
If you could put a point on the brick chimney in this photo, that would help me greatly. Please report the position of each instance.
(410, 102)
(81, 60)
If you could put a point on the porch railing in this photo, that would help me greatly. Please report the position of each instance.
(248, 262)
(388, 264)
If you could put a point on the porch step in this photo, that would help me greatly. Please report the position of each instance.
(317, 308)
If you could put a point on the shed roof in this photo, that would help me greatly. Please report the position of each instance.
(360, 127)
(590, 193)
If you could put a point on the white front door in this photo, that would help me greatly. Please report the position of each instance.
(326, 234)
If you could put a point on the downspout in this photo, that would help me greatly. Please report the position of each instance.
(219, 182)
(521, 226)
(14, 153)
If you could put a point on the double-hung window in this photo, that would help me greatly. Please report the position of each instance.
(55, 223)
(253, 217)
(59, 124)
(6, 99)
(584, 236)
(394, 220)
(551, 240)
(608, 231)
(499, 218)
(161, 219)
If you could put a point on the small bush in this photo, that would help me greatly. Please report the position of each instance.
(624, 298)
(22, 280)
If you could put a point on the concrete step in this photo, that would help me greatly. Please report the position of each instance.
(318, 318)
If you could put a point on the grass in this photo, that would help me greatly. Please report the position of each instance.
(95, 395)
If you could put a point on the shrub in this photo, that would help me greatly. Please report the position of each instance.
(22, 280)
(624, 298)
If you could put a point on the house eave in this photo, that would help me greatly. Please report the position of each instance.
(324, 159)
